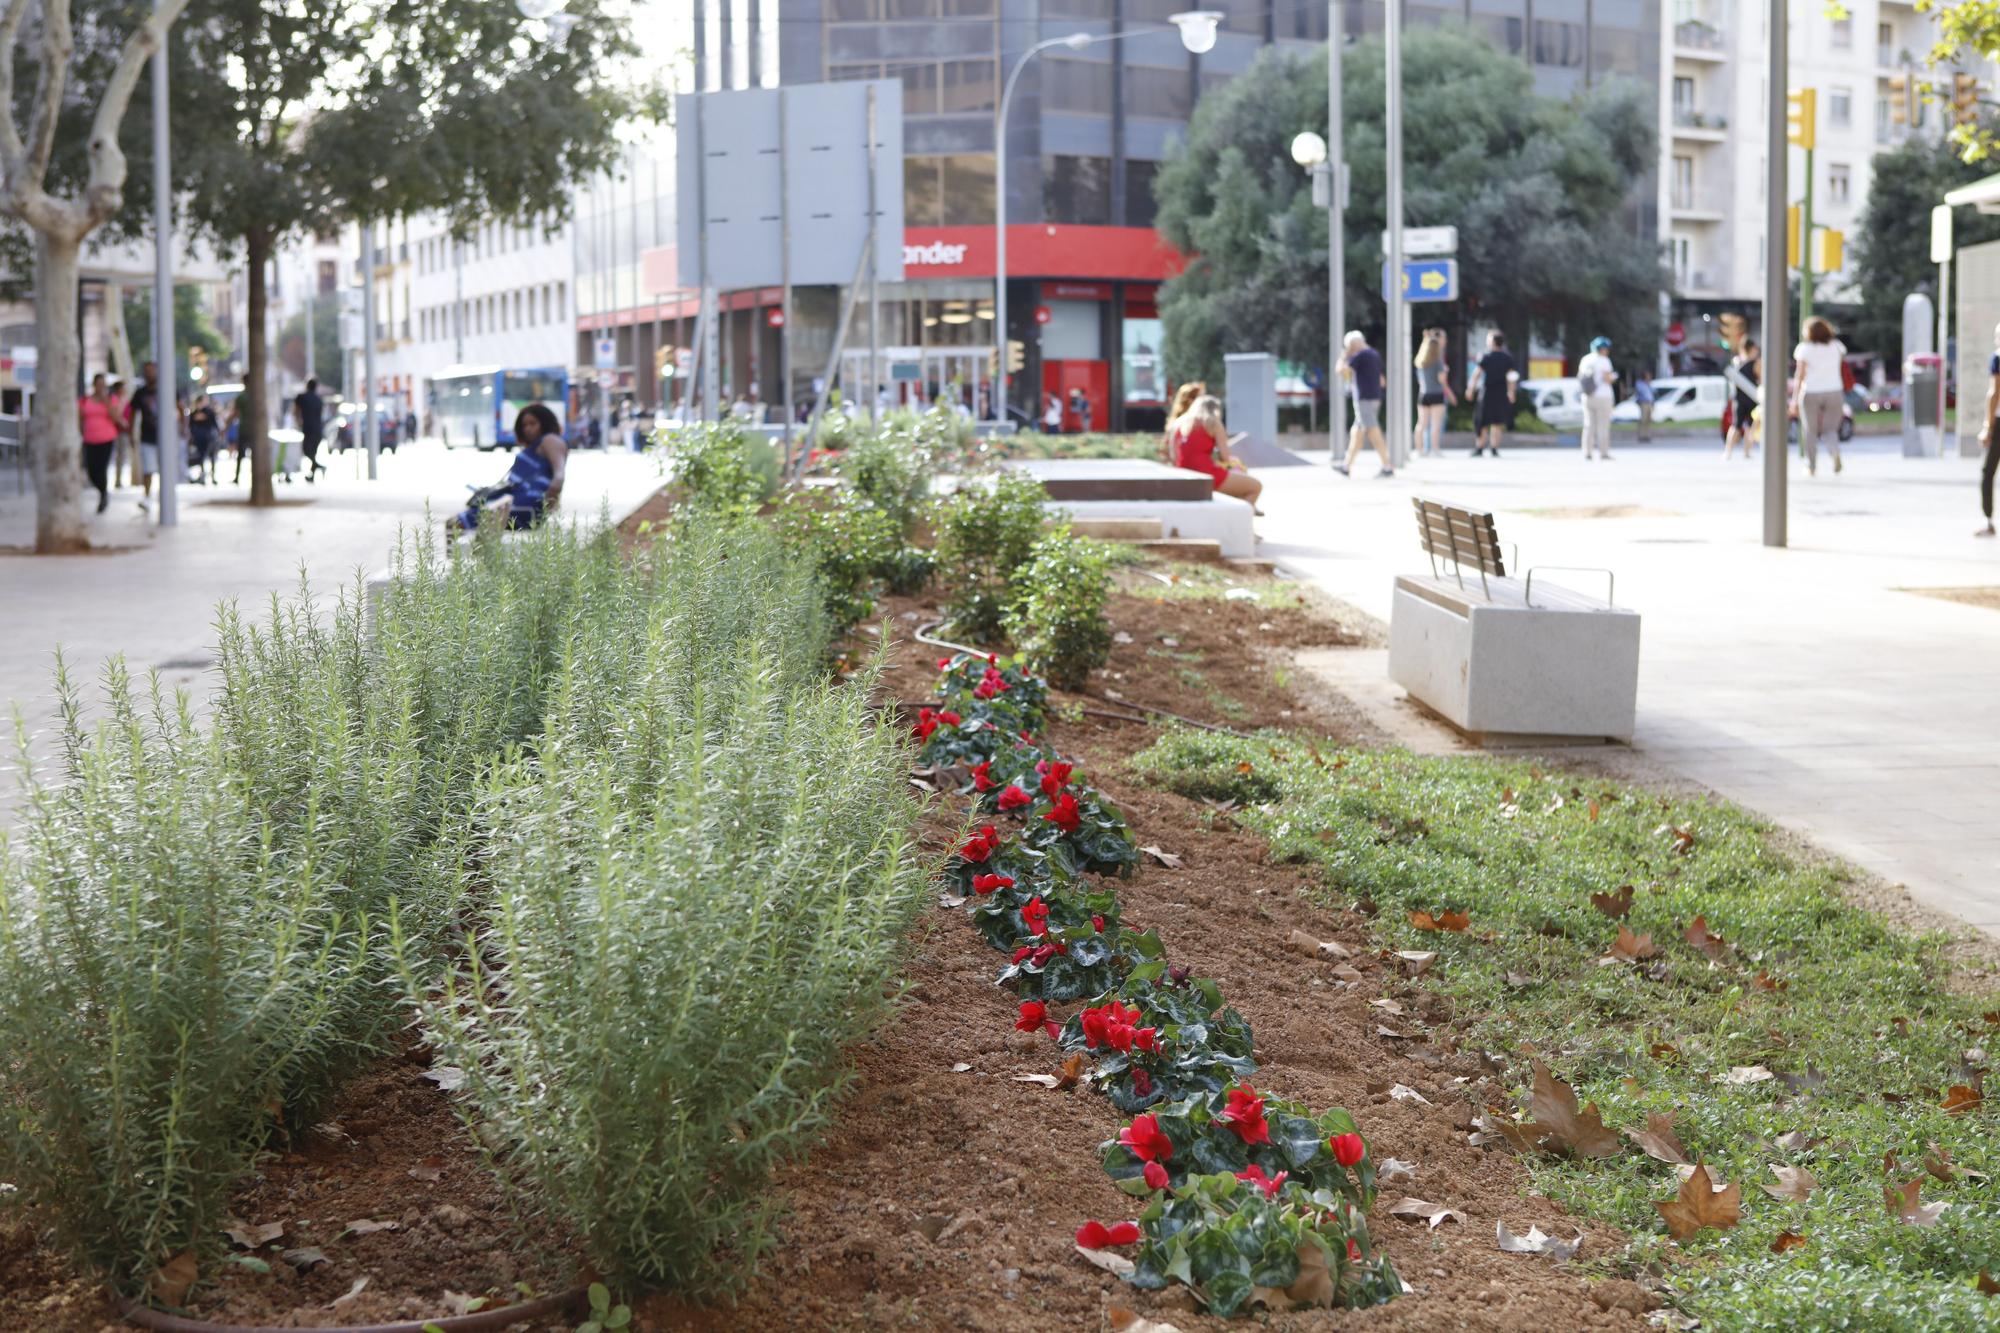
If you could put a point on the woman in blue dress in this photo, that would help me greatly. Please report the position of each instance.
(534, 483)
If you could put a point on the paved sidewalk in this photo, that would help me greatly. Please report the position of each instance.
(154, 601)
(1806, 683)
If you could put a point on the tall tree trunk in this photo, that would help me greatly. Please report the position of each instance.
(57, 440)
(256, 413)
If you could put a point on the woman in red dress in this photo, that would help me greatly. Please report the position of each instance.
(1202, 445)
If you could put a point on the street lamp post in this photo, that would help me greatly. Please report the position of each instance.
(1322, 157)
(1197, 29)
(167, 433)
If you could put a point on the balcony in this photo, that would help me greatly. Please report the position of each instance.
(1698, 205)
(1700, 41)
(1701, 126)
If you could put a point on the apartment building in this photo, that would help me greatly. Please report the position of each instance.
(1713, 116)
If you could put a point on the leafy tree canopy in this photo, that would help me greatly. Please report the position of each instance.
(1540, 190)
(192, 327)
(1892, 251)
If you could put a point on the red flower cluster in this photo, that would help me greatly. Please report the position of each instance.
(1035, 915)
(1148, 1142)
(1116, 1026)
(990, 684)
(929, 720)
(1347, 1148)
(982, 776)
(988, 883)
(1096, 1236)
(981, 844)
(1245, 1115)
(1064, 814)
(1054, 774)
(1035, 1018)
(1014, 798)
(1269, 1184)
(1038, 955)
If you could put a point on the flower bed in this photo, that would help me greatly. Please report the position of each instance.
(1241, 1218)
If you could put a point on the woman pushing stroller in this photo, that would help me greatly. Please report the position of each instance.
(533, 485)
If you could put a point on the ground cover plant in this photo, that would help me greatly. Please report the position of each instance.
(1777, 1097)
(1243, 1219)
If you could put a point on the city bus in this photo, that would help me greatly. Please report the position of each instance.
(476, 405)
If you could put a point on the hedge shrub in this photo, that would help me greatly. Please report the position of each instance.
(1057, 617)
(985, 534)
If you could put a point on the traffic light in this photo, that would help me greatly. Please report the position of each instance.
(1964, 99)
(1903, 97)
(1791, 235)
(1830, 250)
(1801, 115)
(1017, 356)
(663, 363)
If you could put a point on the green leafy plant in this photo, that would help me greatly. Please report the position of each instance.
(847, 541)
(1057, 618)
(986, 533)
(1199, 1046)
(604, 1316)
(723, 466)
(891, 468)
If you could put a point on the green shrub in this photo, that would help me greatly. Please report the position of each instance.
(724, 466)
(1057, 615)
(693, 896)
(985, 534)
(1211, 766)
(847, 541)
(891, 468)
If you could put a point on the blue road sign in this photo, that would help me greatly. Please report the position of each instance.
(1426, 280)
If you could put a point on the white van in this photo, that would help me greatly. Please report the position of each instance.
(1681, 398)
(1556, 402)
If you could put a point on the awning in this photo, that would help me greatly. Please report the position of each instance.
(1983, 195)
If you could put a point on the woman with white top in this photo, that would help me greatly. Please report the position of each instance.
(1817, 390)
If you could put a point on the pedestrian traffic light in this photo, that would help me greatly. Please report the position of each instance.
(1017, 356)
(1791, 236)
(1964, 99)
(1831, 249)
(1903, 95)
(1800, 117)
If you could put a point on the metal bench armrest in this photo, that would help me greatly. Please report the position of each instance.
(1610, 581)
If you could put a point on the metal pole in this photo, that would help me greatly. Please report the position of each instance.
(606, 202)
(1772, 387)
(785, 270)
(165, 401)
(1336, 234)
(1000, 236)
(310, 290)
(874, 269)
(1947, 435)
(371, 436)
(1805, 249)
(705, 330)
(1396, 356)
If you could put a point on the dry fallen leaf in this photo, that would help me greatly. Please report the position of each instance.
(1416, 961)
(1794, 1183)
(172, 1279)
(1962, 1097)
(1987, 1284)
(449, 1078)
(1434, 1213)
(1449, 919)
(1108, 1261)
(1049, 1081)
(1536, 1243)
(1347, 972)
(1494, 1128)
(1658, 1140)
(1128, 1321)
(254, 1237)
(1699, 935)
(1387, 1006)
(366, 1227)
(1938, 1162)
(1742, 1075)
(1698, 1206)
(1664, 1050)
(1765, 981)
(427, 1173)
(1554, 1107)
(360, 1285)
(1787, 1240)
(1307, 943)
(1613, 905)
(962, 1067)
(1904, 1206)
(1795, 1141)
(1392, 1169)
(305, 1257)
(1167, 859)
(1071, 1072)
(1630, 948)
(1407, 1094)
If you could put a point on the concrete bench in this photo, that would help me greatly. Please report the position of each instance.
(1501, 657)
(1185, 503)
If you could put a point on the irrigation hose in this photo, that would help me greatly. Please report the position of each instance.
(923, 635)
(479, 1321)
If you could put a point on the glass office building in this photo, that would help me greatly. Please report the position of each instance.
(1087, 130)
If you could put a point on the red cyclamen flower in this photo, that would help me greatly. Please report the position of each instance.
(1098, 921)
(1156, 1175)
(927, 722)
(1142, 1082)
(1148, 1142)
(949, 718)
(1033, 1014)
(1353, 1250)
(1054, 775)
(988, 883)
(1096, 1236)
(981, 844)
(1063, 814)
(982, 776)
(1245, 1115)
(1269, 1184)
(1013, 798)
(1347, 1148)
(1035, 915)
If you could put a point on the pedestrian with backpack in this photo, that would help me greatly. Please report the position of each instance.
(1594, 378)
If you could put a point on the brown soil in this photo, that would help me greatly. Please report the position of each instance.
(1003, 1172)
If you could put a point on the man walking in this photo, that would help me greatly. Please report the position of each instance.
(309, 410)
(142, 417)
(1594, 378)
(1362, 365)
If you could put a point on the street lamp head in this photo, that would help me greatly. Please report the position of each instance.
(539, 9)
(1197, 28)
(1076, 41)
(1308, 149)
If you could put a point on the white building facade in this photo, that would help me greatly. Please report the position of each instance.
(1713, 134)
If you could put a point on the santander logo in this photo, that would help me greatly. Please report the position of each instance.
(935, 255)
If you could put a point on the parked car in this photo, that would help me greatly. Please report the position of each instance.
(1556, 402)
(1681, 398)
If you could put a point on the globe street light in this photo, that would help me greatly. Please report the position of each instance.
(1197, 31)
